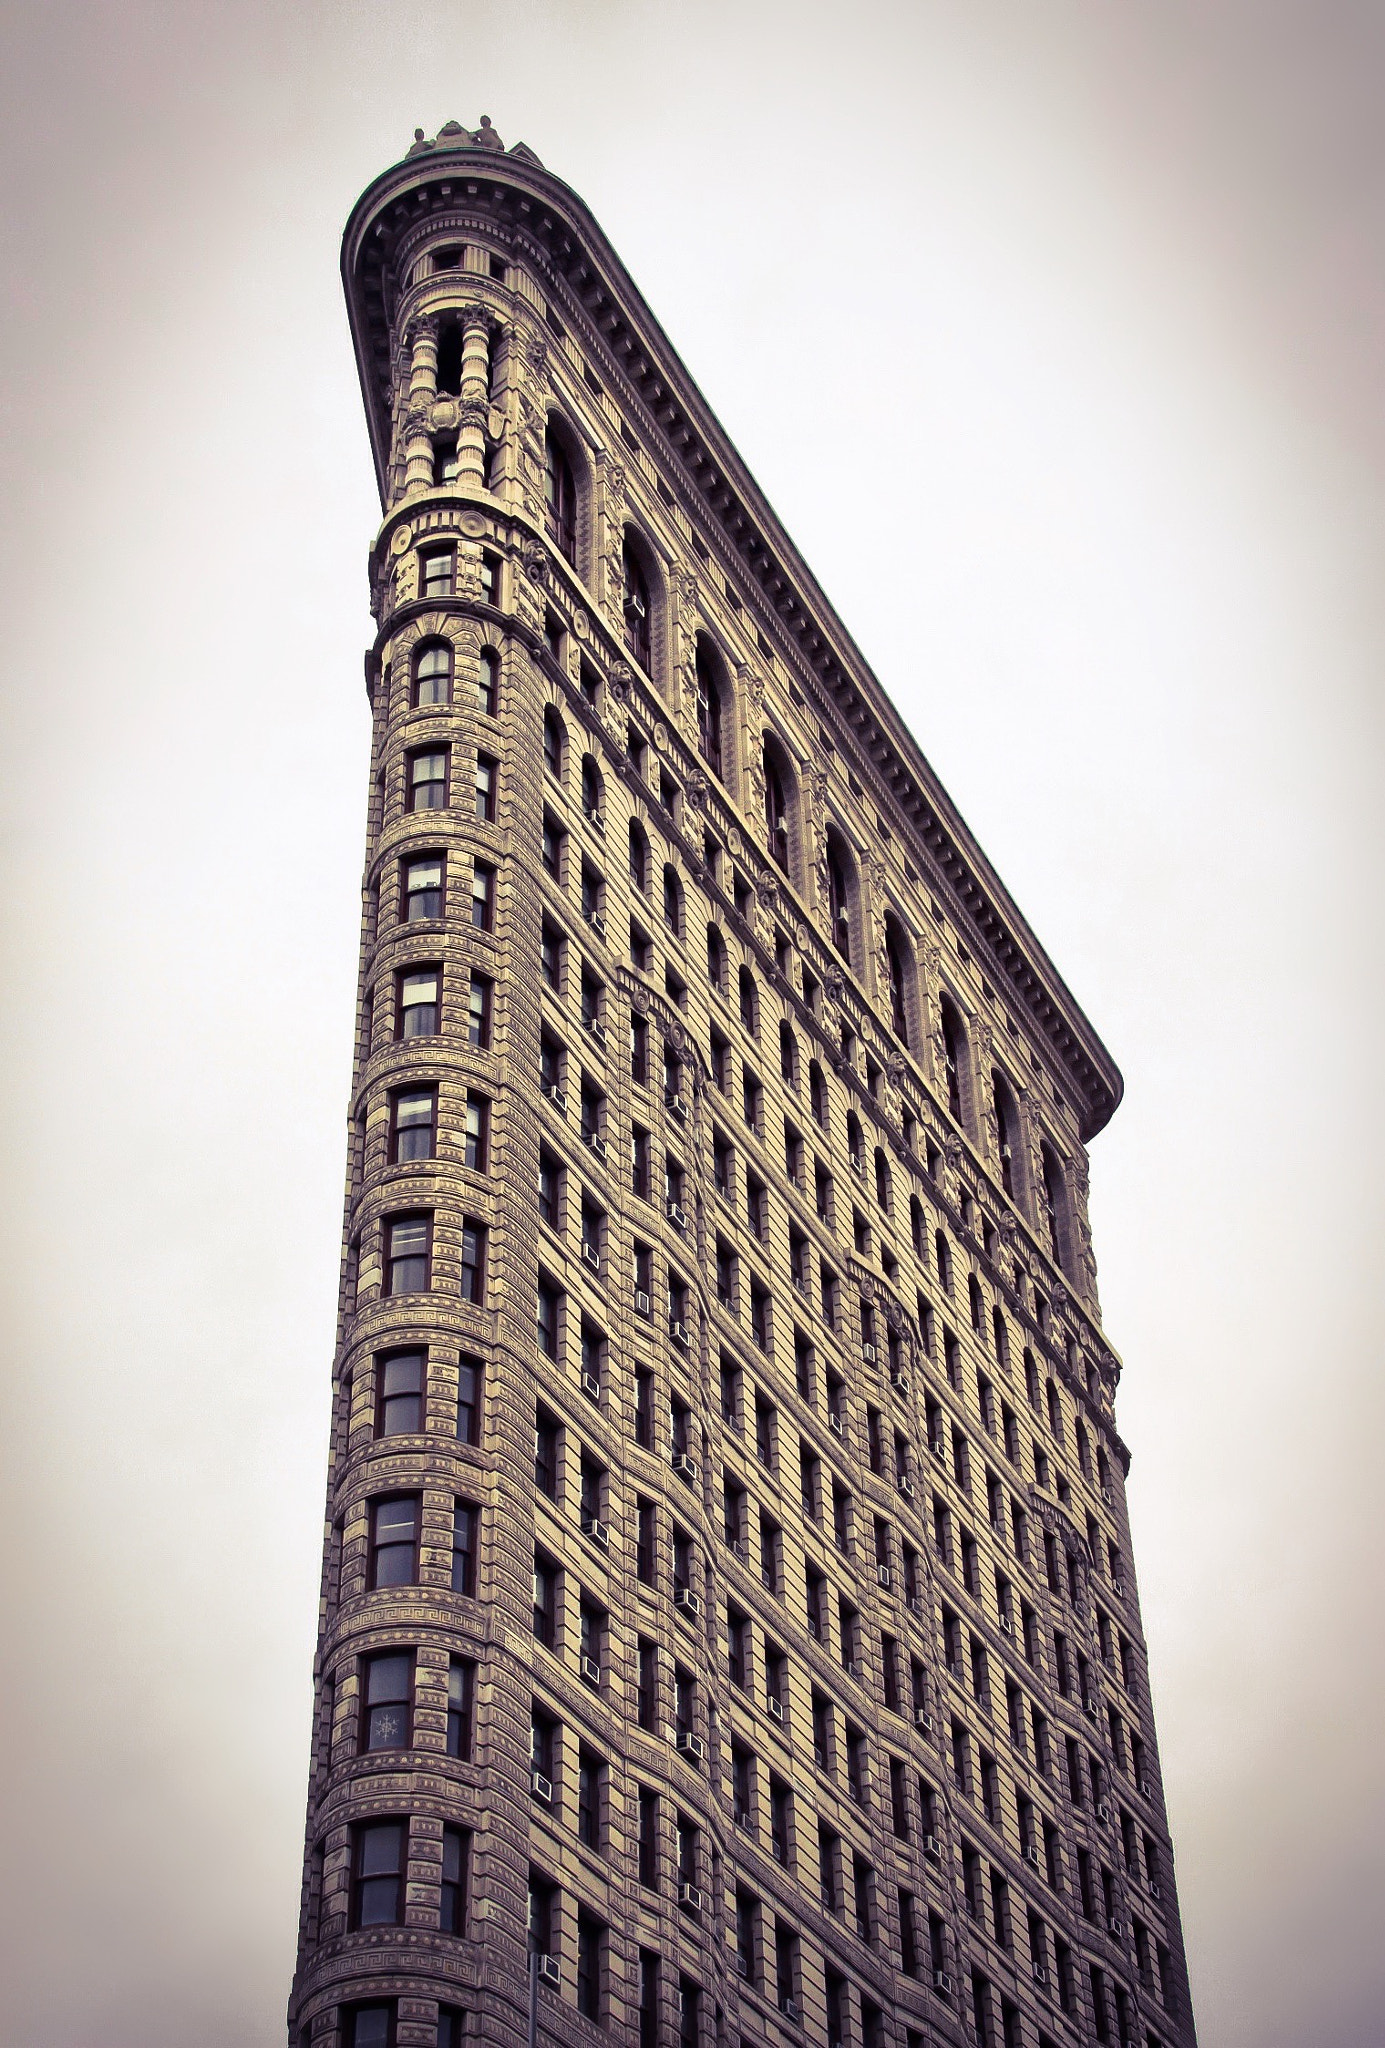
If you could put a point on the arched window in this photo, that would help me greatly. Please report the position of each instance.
(1007, 1130)
(897, 962)
(788, 1055)
(1001, 1338)
(1054, 1203)
(560, 496)
(954, 1058)
(776, 808)
(855, 1145)
(916, 1227)
(639, 857)
(554, 742)
(635, 608)
(716, 960)
(839, 896)
(942, 1252)
(710, 709)
(882, 1180)
(749, 1007)
(977, 1306)
(433, 673)
(673, 903)
(591, 789)
(817, 1095)
(488, 682)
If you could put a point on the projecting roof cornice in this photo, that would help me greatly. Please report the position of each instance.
(536, 216)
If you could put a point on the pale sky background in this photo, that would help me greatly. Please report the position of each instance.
(1055, 335)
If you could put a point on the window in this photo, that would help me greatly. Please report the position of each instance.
(476, 1132)
(421, 888)
(776, 810)
(478, 1013)
(408, 1254)
(461, 1688)
(456, 1842)
(673, 903)
(488, 682)
(838, 896)
(432, 678)
(413, 1114)
(1053, 1202)
(483, 897)
(716, 960)
(639, 857)
(549, 1320)
(591, 1945)
(369, 2026)
(710, 710)
(554, 738)
(487, 784)
(817, 1095)
(550, 1190)
(473, 1275)
(635, 608)
(438, 570)
(377, 1876)
(895, 951)
(545, 1600)
(399, 1393)
(386, 1694)
(426, 787)
(394, 1526)
(445, 459)
(465, 1525)
(591, 1777)
(786, 1968)
(560, 497)
(954, 1058)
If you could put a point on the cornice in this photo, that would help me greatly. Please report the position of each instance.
(541, 219)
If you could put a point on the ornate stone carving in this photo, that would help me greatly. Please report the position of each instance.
(536, 563)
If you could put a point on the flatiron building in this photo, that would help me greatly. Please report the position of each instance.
(729, 1631)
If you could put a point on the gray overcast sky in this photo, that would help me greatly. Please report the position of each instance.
(1054, 333)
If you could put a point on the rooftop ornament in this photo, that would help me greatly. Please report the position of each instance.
(452, 135)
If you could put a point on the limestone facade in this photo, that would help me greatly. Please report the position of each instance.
(727, 1592)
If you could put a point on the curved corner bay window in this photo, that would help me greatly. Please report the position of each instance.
(379, 1888)
(408, 1245)
(418, 1002)
(560, 497)
(371, 2026)
(635, 609)
(399, 1400)
(423, 888)
(415, 1112)
(487, 682)
(433, 674)
(394, 1541)
(388, 1687)
(427, 785)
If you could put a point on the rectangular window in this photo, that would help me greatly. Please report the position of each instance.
(386, 1695)
(394, 1526)
(591, 1773)
(479, 1012)
(418, 993)
(461, 1689)
(466, 1521)
(473, 1262)
(377, 1887)
(413, 1118)
(483, 897)
(549, 1324)
(456, 1844)
(437, 566)
(399, 1393)
(426, 788)
(545, 1600)
(476, 1132)
(469, 1401)
(487, 784)
(421, 888)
